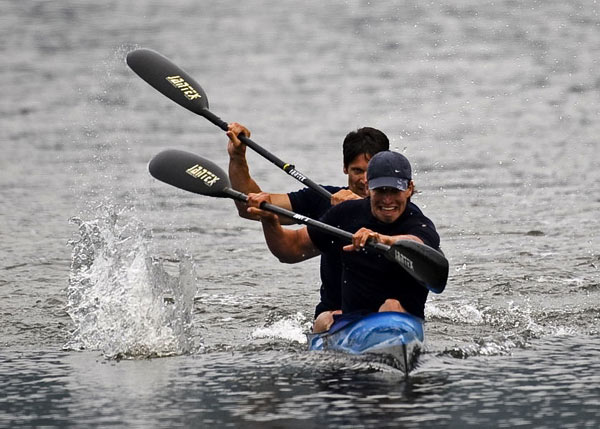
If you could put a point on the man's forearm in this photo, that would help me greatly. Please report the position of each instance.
(239, 175)
(288, 245)
(391, 239)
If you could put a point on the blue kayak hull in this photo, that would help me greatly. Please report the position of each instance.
(393, 334)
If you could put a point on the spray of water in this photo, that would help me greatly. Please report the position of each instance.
(121, 299)
(496, 330)
(291, 328)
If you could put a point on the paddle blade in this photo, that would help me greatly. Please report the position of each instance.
(189, 172)
(169, 79)
(425, 264)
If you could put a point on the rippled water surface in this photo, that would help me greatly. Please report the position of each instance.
(129, 303)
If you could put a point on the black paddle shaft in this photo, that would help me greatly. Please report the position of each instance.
(173, 82)
(288, 168)
(298, 217)
(425, 264)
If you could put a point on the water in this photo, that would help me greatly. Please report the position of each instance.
(126, 302)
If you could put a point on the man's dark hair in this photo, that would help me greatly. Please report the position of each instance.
(365, 140)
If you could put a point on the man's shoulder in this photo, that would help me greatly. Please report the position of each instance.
(350, 209)
(354, 204)
(311, 193)
(420, 225)
(412, 209)
(309, 202)
(413, 213)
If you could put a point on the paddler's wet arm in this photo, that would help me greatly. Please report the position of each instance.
(391, 239)
(288, 245)
(344, 195)
(239, 174)
(240, 178)
(239, 171)
(364, 235)
(281, 200)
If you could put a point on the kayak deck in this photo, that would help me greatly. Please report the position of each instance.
(394, 335)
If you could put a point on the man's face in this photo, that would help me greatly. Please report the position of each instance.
(357, 174)
(388, 204)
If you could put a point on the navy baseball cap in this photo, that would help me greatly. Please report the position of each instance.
(389, 169)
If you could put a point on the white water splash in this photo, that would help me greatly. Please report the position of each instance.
(464, 313)
(497, 331)
(120, 299)
(288, 328)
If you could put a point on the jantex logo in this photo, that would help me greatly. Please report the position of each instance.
(199, 172)
(403, 260)
(181, 84)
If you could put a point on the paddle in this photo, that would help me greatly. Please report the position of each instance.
(195, 174)
(170, 80)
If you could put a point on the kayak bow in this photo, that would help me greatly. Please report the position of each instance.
(392, 334)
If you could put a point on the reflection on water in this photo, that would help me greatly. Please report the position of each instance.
(546, 385)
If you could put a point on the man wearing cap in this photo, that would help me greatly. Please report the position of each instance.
(370, 282)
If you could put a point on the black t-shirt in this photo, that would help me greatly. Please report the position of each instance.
(368, 278)
(311, 204)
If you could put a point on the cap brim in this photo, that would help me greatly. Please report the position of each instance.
(389, 182)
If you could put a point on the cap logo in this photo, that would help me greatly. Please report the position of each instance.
(389, 169)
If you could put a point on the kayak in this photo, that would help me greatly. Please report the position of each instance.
(394, 335)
